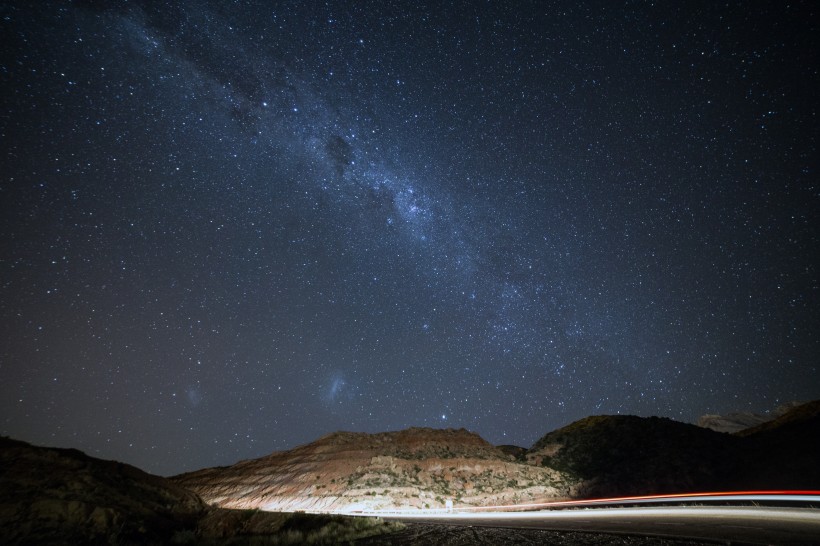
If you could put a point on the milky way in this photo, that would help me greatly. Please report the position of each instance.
(231, 228)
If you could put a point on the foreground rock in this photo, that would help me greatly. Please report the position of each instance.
(414, 468)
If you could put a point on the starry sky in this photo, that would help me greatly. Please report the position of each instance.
(228, 228)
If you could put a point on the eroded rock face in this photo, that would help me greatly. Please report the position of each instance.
(413, 468)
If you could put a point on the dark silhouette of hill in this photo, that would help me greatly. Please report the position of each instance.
(787, 424)
(49, 494)
(783, 453)
(627, 455)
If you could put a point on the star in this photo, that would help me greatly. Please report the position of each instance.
(297, 231)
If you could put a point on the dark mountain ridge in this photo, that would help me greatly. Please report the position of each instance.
(51, 492)
(615, 455)
(58, 496)
(603, 455)
(619, 455)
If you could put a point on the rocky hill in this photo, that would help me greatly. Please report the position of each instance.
(732, 422)
(784, 452)
(739, 421)
(786, 418)
(412, 468)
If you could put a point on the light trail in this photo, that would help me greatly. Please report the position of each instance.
(748, 524)
(786, 496)
(674, 512)
(714, 496)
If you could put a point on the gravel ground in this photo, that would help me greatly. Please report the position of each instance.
(452, 535)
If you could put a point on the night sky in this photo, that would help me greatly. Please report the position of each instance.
(228, 228)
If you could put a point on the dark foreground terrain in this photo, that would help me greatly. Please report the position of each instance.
(425, 534)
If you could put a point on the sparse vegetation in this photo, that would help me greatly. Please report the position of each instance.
(331, 530)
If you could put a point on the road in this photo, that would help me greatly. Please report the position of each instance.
(748, 524)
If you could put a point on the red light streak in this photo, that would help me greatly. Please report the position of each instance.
(692, 496)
